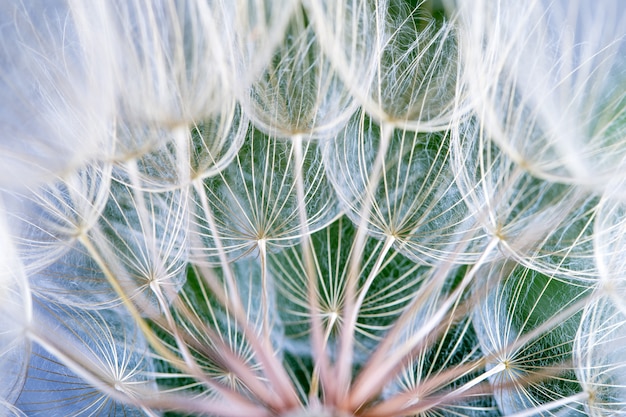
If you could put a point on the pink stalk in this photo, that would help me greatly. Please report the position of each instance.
(273, 369)
(380, 368)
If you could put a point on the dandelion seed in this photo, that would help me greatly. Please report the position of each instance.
(111, 351)
(544, 225)
(50, 219)
(145, 234)
(416, 202)
(536, 365)
(395, 61)
(255, 198)
(300, 93)
(387, 281)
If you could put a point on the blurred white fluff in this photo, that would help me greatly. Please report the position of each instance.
(48, 61)
(549, 79)
(15, 313)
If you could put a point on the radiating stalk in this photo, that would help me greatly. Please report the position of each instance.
(271, 366)
(345, 357)
(381, 366)
(317, 328)
(247, 376)
(148, 333)
(266, 329)
(409, 403)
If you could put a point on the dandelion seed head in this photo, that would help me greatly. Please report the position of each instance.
(299, 208)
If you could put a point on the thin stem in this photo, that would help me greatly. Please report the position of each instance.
(265, 325)
(344, 361)
(317, 327)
